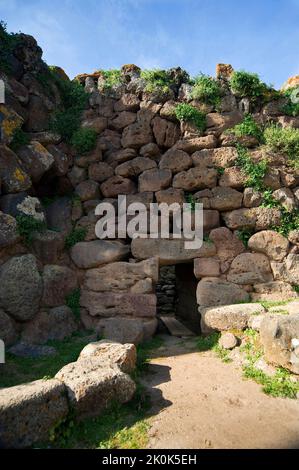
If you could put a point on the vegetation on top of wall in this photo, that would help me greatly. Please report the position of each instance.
(248, 127)
(157, 80)
(112, 78)
(291, 108)
(255, 171)
(27, 226)
(247, 85)
(207, 89)
(19, 139)
(186, 113)
(284, 140)
(8, 42)
(84, 140)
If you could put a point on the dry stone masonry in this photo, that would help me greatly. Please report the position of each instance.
(50, 186)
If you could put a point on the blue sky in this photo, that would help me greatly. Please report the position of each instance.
(258, 35)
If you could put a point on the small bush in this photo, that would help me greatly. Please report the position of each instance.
(246, 84)
(19, 139)
(27, 226)
(291, 108)
(66, 120)
(84, 140)
(186, 113)
(8, 42)
(112, 78)
(157, 80)
(207, 89)
(284, 140)
(248, 127)
(77, 235)
(255, 172)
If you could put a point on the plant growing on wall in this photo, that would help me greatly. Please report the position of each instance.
(186, 113)
(84, 140)
(255, 171)
(248, 127)
(8, 42)
(157, 80)
(247, 85)
(207, 89)
(284, 140)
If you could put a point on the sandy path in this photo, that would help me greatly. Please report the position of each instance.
(200, 402)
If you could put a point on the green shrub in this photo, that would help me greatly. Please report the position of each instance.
(246, 84)
(284, 140)
(157, 80)
(112, 78)
(19, 139)
(27, 226)
(66, 120)
(254, 171)
(207, 89)
(289, 219)
(73, 302)
(248, 127)
(291, 109)
(77, 235)
(84, 140)
(8, 42)
(186, 113)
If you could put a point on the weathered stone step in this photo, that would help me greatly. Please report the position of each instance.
(175, 327)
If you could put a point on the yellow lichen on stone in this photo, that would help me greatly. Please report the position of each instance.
(20, 175)
(10, 123)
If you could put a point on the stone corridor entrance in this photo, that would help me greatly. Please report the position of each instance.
(176, 295)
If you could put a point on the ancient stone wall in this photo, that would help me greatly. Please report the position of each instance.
(143, 151)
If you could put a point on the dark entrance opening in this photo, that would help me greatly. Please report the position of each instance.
(186, 305)
(176, 297)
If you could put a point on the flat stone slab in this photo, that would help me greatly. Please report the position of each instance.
(32, 350)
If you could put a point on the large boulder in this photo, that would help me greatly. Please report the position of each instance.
(215, 291)
(166, 133)
(92, 254)
(36, 160)
(271, 243)
(124, 355)
(121, 276)
(136, 135)
(228, 317)
(134, 167)
(117, 185)
(222, 157)
(20, 287)
(169, 251)
(59, 282)
(56, 324)
(175, 160)
(275, 291)
(8, 230)
(288, 270)
(279, 335)
(111, 304)
(250, 268)
(195, 178)
(29, 411)
(225, 199)
(12, 175)
(93, 384)
(227, 244)
(154, 180)
(124, 330)
(196, 143)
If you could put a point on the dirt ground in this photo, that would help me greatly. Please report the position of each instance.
(200, 402)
